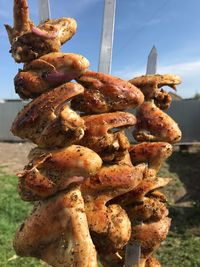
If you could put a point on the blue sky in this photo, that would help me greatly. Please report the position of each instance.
(173, 26)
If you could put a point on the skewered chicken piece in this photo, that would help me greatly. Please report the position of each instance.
(29, 42)
(116, 260)
(154, 154)
(110, 222)
(163, 128)
(138, 194)
(145, 204)
(152, 262)
(150, 209)
(149, 236)
(103, 134)
(57, 232)
(48, 121)
(105, 93)
(50, 171)
(48, 72)
(150, 86)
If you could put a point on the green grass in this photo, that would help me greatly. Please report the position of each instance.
(180, 249)
(12, 213)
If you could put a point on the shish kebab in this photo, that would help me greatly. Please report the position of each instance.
(67, 178)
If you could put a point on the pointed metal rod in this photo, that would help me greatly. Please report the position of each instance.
(105, 57)
(44, 10)
(152, 61)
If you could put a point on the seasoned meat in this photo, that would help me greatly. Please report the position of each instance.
(48, 121)
(57, 232)
(105, 93)
(50, 171)
(104, 134)
(150, 86)
(163, 128)
(48, 72)
(29, 42)
(154, 154)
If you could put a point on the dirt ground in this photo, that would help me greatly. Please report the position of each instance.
(13, 156)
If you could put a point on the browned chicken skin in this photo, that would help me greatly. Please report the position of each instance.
(109, 182)
(50, 171)
(154, 154)
(105, 93)
(152, 262)
(57, 232)
(150, 86)
(138, 193)
(48, 72)
(149, 236)
(163, 128)
(29, 42)
(103, 134)
(48, 121)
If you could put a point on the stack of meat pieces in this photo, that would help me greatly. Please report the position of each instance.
(89, 186)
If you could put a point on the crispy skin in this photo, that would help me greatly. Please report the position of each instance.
(150, 86)
(29, 42)
(150, 235)
(155, 125)
(110, 222)
(152, 262)
(48, 72)
(50, 171)
(104, 134)
(57, 232)
(48, 121)
(105, 93)
(154, 154)
(149, 210)
(141, 190)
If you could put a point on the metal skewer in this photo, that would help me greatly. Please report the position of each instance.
(105, 57)
(133, 249)
(44, 10)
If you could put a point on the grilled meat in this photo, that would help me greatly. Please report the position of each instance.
(163, 128)
(50, 171)
(29, 42)
(105, 93)
(48, 121)
(57, 232)
(48, 72)
(104, 134)
(150, 86)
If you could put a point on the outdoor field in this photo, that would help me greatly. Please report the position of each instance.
(181, 249)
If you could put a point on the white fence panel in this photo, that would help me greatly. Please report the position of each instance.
(8, 112)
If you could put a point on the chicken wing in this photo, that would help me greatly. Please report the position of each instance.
(105, 93)
(103, 134)
(150, 86)
(163, 128)
(29, 42)
(50, 171)
(48, 72)
(48, 121)
(57, 232)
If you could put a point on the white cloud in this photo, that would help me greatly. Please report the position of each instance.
(188, 71)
